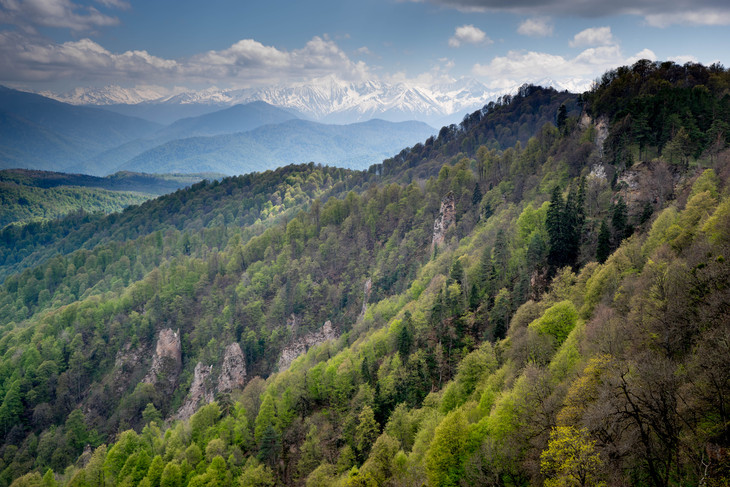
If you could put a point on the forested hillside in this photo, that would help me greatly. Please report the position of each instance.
(538, 295)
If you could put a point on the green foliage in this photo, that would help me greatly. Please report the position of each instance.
(557, 321)
(571, 459)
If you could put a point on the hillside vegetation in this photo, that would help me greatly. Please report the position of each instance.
(517, 301)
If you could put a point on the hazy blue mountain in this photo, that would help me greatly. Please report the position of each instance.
(38, 132)
(238, 118)
(354, 146)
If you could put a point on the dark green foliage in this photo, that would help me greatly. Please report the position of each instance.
(603, 250)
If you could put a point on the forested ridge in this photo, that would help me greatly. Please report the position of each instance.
(563, 323)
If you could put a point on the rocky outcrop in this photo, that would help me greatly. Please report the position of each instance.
(167, 361)
(601, 134)
(300, 347)
(200, 392)
(367, 288)
(203, 388)
(444, 220)
(129, 367)
(233, 370)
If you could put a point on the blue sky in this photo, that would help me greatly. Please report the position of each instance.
(171, 45)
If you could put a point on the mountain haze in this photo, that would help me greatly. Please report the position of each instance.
(295, 141)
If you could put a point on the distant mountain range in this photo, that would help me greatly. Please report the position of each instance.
(41, 133)
(355, 146)
(326, 99)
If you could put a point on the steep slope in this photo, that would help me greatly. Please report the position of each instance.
(355, 146)
(451, 328)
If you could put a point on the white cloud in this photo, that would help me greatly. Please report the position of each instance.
(518, 67)
(595, 36)
(657, 13)
(470, 35)
(536, 27)
(684, 59)
(689, 17)
(246, 63)
(28, 14)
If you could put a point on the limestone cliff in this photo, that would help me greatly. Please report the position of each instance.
(233, 370)
(200, 392)
(444, 220)
(303, 344)
(167, 361)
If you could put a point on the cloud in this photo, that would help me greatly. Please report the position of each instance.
(246, 63)
(694, 17)
(684, 59)
(576, 74)
(120, 4)
(595, 36)
(468, 34)
(28, 14)
(658, 14)
(536, 27)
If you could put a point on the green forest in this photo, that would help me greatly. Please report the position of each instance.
(538, 295)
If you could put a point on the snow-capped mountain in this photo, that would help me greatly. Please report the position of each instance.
(326, 99)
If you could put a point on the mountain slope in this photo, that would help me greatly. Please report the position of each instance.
(238, 118)
(38, 132)
(480, 324)
(295, 141)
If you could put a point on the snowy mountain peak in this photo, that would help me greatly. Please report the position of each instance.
(328, 99)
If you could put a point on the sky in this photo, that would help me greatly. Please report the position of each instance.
(171, 46)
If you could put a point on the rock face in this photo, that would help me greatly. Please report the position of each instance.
(301, 346)
(233, 370)
(200, 392)
(446, 218)
(367, 288)
(203, 389)
(167, 361)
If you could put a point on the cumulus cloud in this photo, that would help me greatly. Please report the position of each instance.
(536, 27)
(468, 34)
(660, 14)
(595, 36)
(246, 63)
(29, 14)
(577, 73)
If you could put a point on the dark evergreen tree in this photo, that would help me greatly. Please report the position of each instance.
(619, 220)
(476, 197)
(555, 230)
(604, 243)
(562, 118)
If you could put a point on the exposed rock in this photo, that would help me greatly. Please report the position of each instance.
(233, 370)
(648, 182)
(446, 218)
(167, 361)
(301, 346)
(200, 392)
(598, 171)
(601, 134)
(366, 297)
(129, 367)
